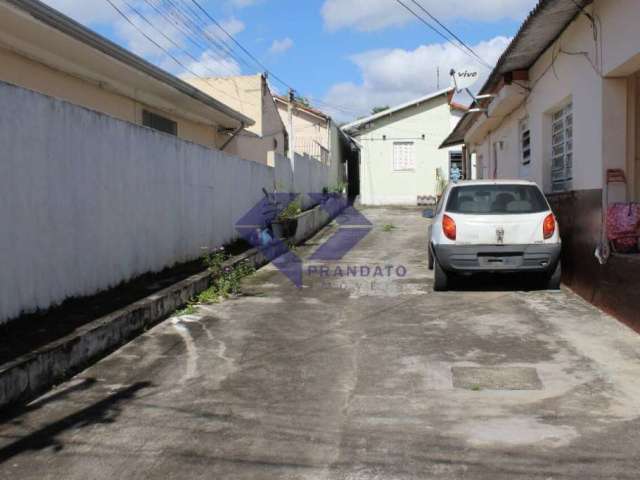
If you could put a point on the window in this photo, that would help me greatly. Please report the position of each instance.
(562, 149)
(455, 165)
(404, 156)
(158, 122)
(496, 200)
(525, 142)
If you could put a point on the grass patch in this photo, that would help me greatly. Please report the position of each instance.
(388, 228)
(226, 280)
(475, 388)
(190, 309)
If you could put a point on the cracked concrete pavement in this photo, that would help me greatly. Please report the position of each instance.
(351, 378)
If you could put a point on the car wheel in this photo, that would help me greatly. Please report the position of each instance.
(553, 280)
(430, 257)
(441, 278)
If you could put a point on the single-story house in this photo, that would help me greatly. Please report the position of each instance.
(401, 163)
(45, 51)
(563, 109)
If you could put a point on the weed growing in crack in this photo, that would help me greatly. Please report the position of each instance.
(388, 228)
(226, 280)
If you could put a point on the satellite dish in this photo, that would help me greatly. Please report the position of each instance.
(464, 79)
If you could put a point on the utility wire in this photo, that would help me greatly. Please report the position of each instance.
(190, 30)
(227, 51)
(168, 38)
(439, 33)
(232, 38)
(435, 19)
(158, 45)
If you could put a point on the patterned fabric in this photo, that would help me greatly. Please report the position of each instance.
(623, 226)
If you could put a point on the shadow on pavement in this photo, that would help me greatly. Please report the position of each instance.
(12, 415)
(104, 411)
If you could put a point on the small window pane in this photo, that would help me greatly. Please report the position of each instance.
(404, 156)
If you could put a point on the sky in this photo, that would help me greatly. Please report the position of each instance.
(345, 56)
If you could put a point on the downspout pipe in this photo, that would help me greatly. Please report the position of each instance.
(233, 135)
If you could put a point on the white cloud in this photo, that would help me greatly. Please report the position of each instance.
(243, 3)
(233, 26)
(211, 64)
(390, 77)
(370, 15)
(85, 12)
(281, 46)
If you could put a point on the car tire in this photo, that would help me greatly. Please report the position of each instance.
(553, 281)
(441, 278)
(430, 257)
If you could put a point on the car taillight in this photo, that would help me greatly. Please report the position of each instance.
(549, 226)
(449, 227)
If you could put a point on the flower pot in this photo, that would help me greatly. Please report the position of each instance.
(285, 228)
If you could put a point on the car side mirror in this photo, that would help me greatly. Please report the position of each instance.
(428, 213)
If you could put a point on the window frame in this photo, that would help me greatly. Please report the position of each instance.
(413, 159)
(561, 145)
(524, 130)
(158, 122)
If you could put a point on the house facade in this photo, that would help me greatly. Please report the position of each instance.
(251, 96)
(47, 52)
(564, 112)
(401, 163)
(314, 134)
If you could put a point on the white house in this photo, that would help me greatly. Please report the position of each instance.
(401, 163)
(565, 111)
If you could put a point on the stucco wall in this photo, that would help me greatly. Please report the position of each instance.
(88, 201)
(380, 184)
(599, 104)
(309, 131)
(251, 96)
(19, 70)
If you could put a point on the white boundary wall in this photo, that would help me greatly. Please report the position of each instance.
(88, 201)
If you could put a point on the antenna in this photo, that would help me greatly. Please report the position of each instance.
(462, 81)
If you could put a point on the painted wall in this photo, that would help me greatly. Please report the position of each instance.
(380, 184)
(600, 105)
(88, 201)
(251, 96)
(24, 72)
(311, 133)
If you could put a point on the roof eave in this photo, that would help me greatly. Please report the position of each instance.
(75, 30)
(397, 108)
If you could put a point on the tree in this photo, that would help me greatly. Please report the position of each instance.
(302, 101)
(379, 109)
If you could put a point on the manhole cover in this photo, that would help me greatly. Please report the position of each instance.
(496, 378)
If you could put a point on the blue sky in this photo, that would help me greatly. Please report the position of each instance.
(346, 55)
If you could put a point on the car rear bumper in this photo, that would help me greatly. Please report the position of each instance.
(496, 258)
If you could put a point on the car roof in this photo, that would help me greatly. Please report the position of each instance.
(464, 183)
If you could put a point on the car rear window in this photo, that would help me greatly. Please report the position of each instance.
(496, 199)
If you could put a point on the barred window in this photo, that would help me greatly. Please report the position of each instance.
(562, 149)
(404, 156)
(525, 142)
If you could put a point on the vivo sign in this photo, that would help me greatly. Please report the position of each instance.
(464, 79)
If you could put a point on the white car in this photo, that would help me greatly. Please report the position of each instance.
(503, 226)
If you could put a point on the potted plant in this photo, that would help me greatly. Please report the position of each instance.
(286, 223)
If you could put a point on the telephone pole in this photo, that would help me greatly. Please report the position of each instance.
(292, 155)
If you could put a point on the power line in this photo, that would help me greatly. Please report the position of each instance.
(435, 19)
(166, 37)
(166, 51)
(197, 4)
(182, 22)
(438, 32)
(202, 30)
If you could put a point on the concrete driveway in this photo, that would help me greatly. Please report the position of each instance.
(351, 377)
